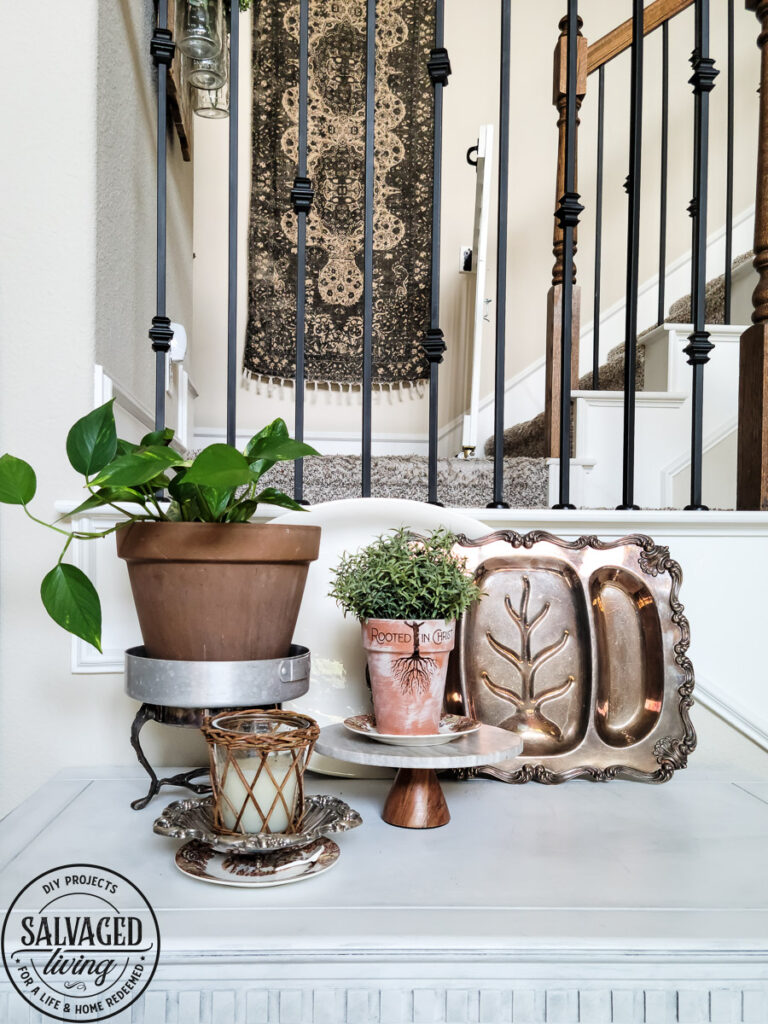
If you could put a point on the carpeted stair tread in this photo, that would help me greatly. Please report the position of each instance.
(527, 439)
(461, 483)
(714, 302)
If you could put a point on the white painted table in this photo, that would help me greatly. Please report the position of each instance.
(618, 903)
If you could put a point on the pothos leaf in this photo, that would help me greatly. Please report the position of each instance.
(92, 441)
(71, 600)
(17, 481)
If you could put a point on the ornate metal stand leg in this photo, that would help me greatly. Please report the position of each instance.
(149, 713)
(416, 800)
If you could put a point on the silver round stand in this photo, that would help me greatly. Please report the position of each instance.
(184, 693)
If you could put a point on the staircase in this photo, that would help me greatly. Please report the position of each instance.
(663, 423)
(662, 433)
(663, 414)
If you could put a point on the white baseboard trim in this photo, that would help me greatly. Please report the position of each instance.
(677, 284)
(182, 389)
(683, 462)
(729, 710)
(329, 442)
(105, 387)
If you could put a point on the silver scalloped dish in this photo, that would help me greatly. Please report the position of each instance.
(193, 819)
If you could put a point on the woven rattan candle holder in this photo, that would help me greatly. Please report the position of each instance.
(257, 769)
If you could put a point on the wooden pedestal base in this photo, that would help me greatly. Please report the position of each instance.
(416, 800)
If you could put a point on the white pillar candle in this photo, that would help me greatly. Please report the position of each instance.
(264, 791)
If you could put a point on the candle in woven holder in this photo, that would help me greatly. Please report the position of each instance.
(257, 769)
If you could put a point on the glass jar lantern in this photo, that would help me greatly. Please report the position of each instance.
(199, 28)
(257, 769)
(211, 101)
(210, 73)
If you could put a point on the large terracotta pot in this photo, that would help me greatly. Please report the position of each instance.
(408, 663)
(217, 591)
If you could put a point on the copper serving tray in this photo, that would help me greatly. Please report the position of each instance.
(581, 648)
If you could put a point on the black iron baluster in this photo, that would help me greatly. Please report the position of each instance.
(598, 228)
(568, 214)
(162, 49)
(439, 67)
(367, 385)
(501, 258)
(662, 309)
(633, 254)
(699, 346)
(729, 170)
(302, 195)
(234, 105)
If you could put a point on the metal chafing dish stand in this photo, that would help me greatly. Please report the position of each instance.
(184, 693)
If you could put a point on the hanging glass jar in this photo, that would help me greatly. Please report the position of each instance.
(209, 73)
(214, 102)
(211, 102)
(199, 28)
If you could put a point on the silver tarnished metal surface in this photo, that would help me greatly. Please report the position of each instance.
(580, 647)
(216, 684)
(193, 819)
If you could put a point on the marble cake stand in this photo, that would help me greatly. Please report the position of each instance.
(416, 799)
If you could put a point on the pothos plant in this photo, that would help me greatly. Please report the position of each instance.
(220, 485)
(404, 576)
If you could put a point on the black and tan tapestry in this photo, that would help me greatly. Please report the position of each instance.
(402, 201)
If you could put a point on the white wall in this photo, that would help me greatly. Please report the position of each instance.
(76, 285)
(126, 175)
(470, 100)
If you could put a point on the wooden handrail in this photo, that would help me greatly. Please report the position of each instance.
(620, 38)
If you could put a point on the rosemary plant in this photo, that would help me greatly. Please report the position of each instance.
(404, 576)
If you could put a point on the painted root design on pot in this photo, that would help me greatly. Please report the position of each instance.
(527, 703)
(414, 672)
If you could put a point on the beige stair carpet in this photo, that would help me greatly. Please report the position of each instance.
(461, 483)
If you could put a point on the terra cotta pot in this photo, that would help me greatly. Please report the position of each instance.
(408, 664)
(217, 591)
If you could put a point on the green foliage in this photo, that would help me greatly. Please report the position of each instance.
(18, 482)
(71, 600)
(221, 485)
(92, 442)
(404, 576)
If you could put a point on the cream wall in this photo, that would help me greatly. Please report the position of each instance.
(681, 35)
(76, 286)
(125, 228)
(470, 100)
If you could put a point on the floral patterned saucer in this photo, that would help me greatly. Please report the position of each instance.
(451, 727)
(259, 870)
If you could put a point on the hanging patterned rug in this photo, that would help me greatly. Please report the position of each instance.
(336, 132)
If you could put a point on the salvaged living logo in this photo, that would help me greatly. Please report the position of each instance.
(80, 943)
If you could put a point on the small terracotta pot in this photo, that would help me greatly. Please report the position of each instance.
(217, 591)
(408, 664)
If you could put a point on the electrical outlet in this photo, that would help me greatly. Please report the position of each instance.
(465, 259)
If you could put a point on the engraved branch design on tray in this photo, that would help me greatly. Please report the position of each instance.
(527, 703)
